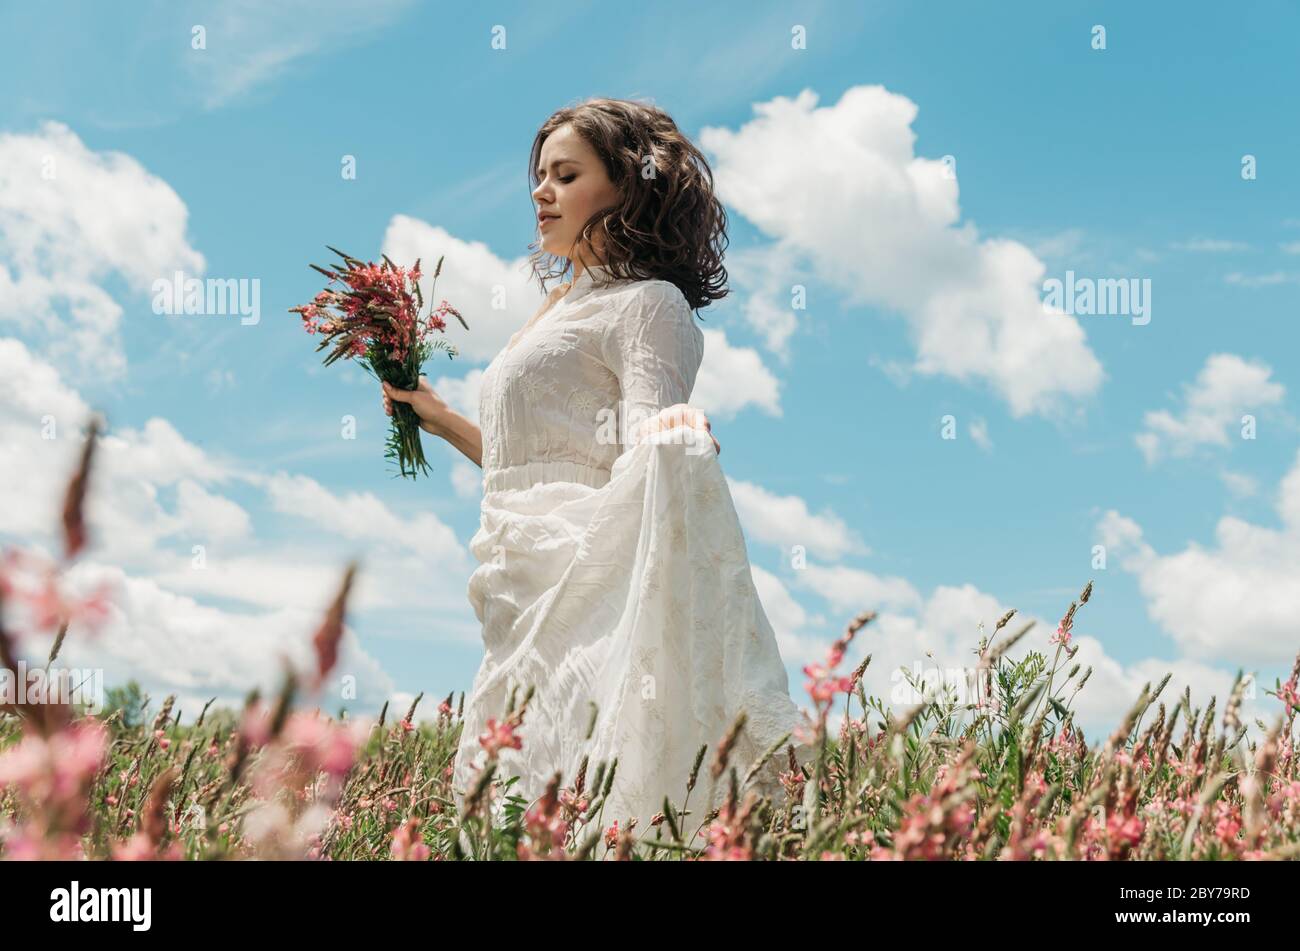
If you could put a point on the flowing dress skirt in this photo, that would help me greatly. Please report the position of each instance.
(637, 597)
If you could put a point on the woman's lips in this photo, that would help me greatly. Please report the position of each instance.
(544, 221)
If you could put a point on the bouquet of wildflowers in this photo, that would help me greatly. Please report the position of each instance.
(373, 317)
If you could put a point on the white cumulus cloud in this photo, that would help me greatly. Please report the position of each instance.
(785, 521)
(1227, 387)
(1236, 600)
(841, 190)
(71, 218)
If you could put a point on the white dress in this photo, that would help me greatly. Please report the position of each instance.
(614, 572)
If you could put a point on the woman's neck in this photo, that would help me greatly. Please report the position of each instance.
(579, 269)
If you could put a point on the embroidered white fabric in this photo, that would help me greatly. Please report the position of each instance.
(612, 567)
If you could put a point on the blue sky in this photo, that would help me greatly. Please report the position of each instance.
(1123, 162)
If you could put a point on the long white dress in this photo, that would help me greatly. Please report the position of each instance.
(613, 570)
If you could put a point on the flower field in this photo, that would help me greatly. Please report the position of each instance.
(1007, 776)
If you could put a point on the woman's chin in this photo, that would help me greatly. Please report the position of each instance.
(551, 245)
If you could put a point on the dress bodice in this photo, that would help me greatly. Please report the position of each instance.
(563, 401)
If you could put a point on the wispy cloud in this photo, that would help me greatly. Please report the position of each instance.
(249, 44)
(1210, 246)
(1259, 280)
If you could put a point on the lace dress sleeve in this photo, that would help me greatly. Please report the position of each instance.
(654, 347)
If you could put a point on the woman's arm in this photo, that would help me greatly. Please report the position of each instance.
(439, 419)
(461, 432)
(654, 348)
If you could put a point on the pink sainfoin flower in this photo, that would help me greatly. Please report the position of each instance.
(309, 746)
(728, 841)
(1062, 635)
(822, 687)
(500, 736)
(323, 745)
(573, 803)
(611, 835)
(1123, 832)
(937, 824)
(33, 584)
(822, 684)
(1288, 694)
(408, 846)
(927, 829)
(792, 781)
(27, 845)
(53, 777)
(1228, 826)
(545, 828)
(56, 770)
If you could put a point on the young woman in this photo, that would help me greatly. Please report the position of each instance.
(613, 575)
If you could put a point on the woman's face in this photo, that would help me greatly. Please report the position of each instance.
(572, 186)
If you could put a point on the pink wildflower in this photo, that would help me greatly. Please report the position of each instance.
(500, 736)
(408, 845)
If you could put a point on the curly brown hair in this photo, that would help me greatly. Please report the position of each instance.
(669, 226)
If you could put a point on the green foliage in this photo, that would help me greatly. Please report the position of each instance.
(129, 700)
